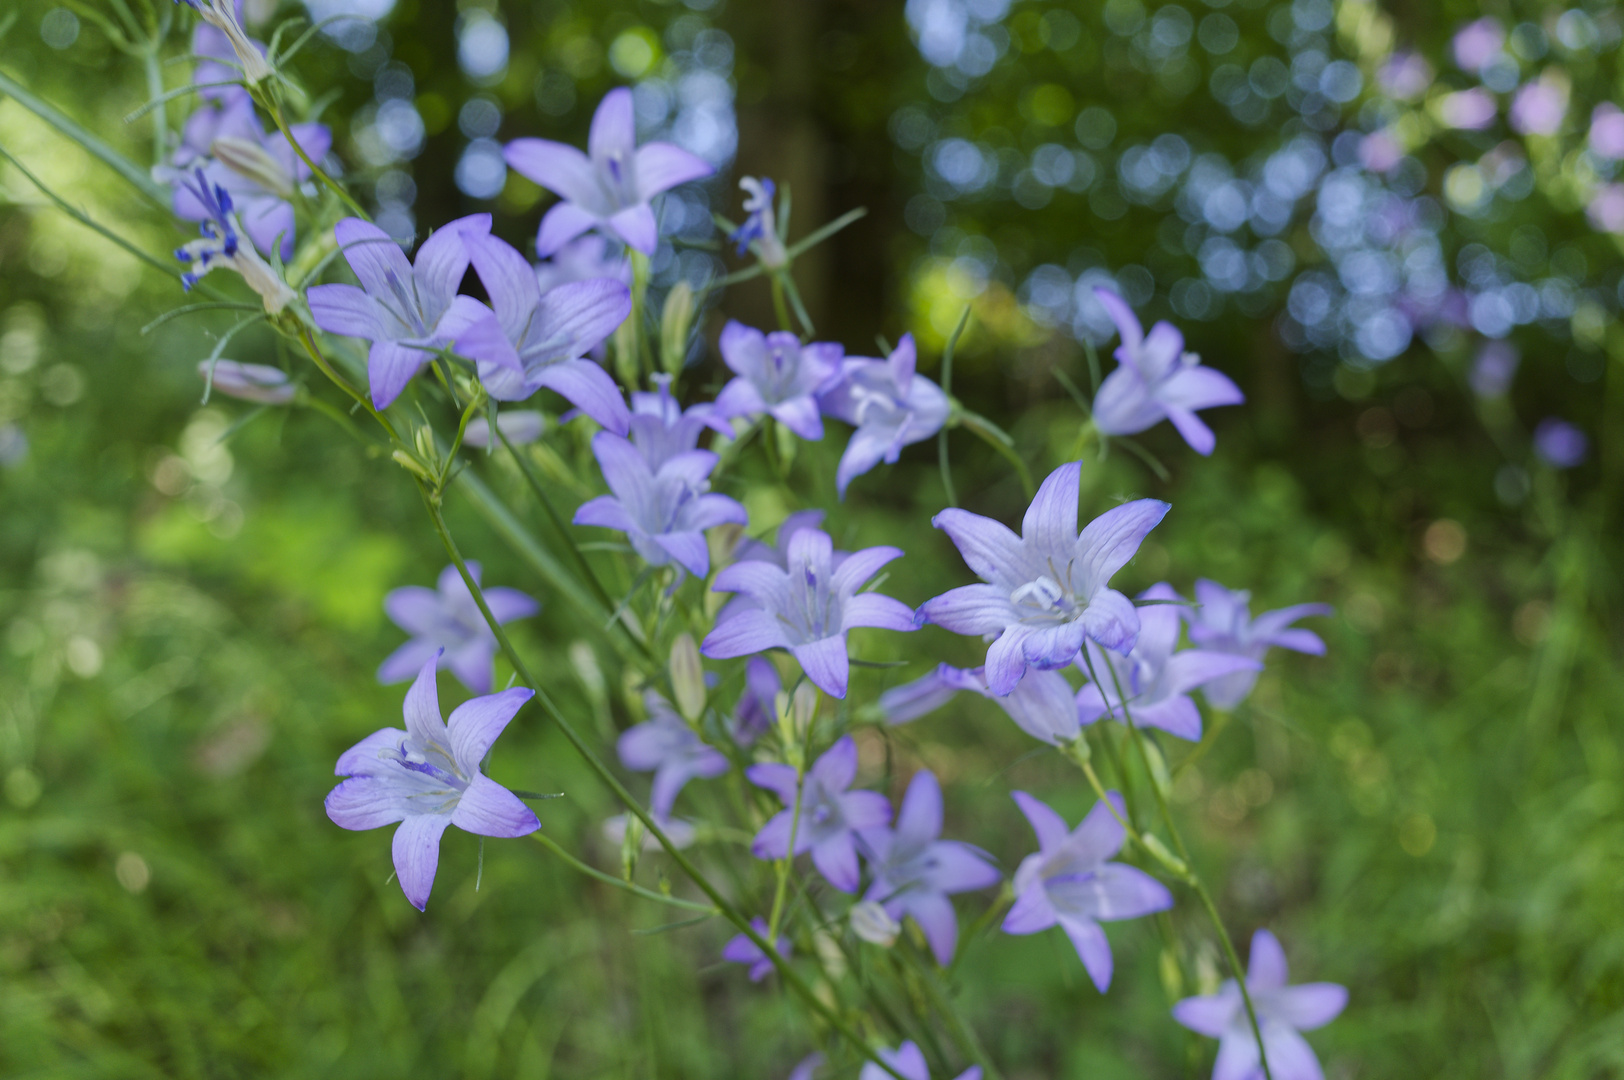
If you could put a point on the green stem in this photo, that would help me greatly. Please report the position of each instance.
(780, 308)
(966, 1039)
(132, 173)
(983, 430)
(160, 115)
(609, 879)
(316, 170)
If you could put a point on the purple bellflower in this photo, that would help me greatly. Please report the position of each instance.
(1042, 703)
(406, 310)
(1222, 622)
(914, 872)
(217, 60)
(753, 550)
(221, 246)
(807, 1067)
(1156, 379)
(760, 224)
(889, 405)
(665, 745)
(248, 382)
(1282, 1012)
(1157, 680)
(610, 186)
(1047, 589)
(741, 950)
(777, 375)
(1467, 110)
(1559, 444)
(758, 705)
(664, 512)
(582, 259)
(806, 607)
(225, 18)
(445, 623)
(427, 777)
(1540, 106)
(531, 339)
(518, 426)
(661, 429)
(1069, 882)
(819, 813)
(910, 1063)
(1476, 43)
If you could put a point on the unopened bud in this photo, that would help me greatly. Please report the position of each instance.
(787, 444)
(1172, 975)
(1158, 768)
(624, 344)
(871, 922)
(804, 705)
(687, 678)
(249, 159)
(1154, 845)
(427, 452)
(676, 319)
(585, 663)
(406, 461)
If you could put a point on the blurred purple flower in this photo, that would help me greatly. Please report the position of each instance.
(1539, 107)
(220, 246)
(1156, 380)
(1405, 75)
(665, 745)
(1476, 43)
(664, 512)
(1559, 444)
(889, 405)
(1069, 882)
(914, 872)
(908, 1061)
(1157, 680)
(225, 17)
(248, 382)
(1606, 208)
(741, 950)
(807, 1067)
(760, 224)
(531, 340)
(661, 429)
(1607, 131)
(778, 375)
(1493, 369)
(217, 61)
(582, 259)
(1467, 110)
(806, 607)
(445, 622)
(427, 777)
(753, 550)
(1048, 589)
(1282, 1012)
(1042, 703)
(757, 709)
(1379, 151)
(518, 426)
(406, 310)
(610, 186)
(1222, 622)
(820, 813)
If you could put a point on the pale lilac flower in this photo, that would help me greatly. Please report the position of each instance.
(760, 224)
(1157, 680)
(610, 186)
(407, 310)
(665, 745)
(226, 17)
(820, 813)
(248, 382)
(583, 259)
(741, 950)
(907, 702)
(1606, 208)
(806, 607)
(1539, 107)
(661, 428)
(664, 512)
(1069, 882)
(1607, 131)
(1042, 703)
(445, 622)
(752, 550)
(1478, 42)
(807, 1067)
(1379, 151)
(1493, 370)
(220, 246)
(1047, 589)
(889, 405)
(531, 340)
(1222, 622)
(427, 777)
(1156, 379)
(776, 374)
(757, 709)
(1405, 75)
(1559, 444)
(1467, 110)
(872, 923)
(908, 1061)
(518, 426)
(1282, 1012)
(914, 872)
(217, 61)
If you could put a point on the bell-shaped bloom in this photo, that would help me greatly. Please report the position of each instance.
(407, 310)
(1070, 883)
(1540, 106)
(218, 62)
(1156, 680)
(582, 259)
(1559, 444)
(777, 375)
(820, 814)
(427, 777)
(806, 607)
(1156, 379)
(758, 705)
(664, 512)
(661, 429)
(531, 339)
(610, 186)
(665, 745)
(220, 246)
(888, 403)
(1607, 131)
(445, 622)
(1478, 42)
(1047, 589)
(1222, 622)
(248, 382)
(517, 426)
(741, 950)
(909, 1062)
(1282, 1012)
(914, 872)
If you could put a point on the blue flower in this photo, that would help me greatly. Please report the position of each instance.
(1042, 703)
(446, 624)
(666, 746)
(820, 813)
(908, 1061)
(1047, 589)
(661, 429)
(741, 950)
(777, 375)
(889, 405)
(220, 246)
(760, 225)
(1221, 622)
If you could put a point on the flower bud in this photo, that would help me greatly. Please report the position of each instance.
(1154, 845)
(1158, 768)
(870, 922)
(423, 439)
(411, 464)
(1172, 974)
(676, 319)
(687, 678)
(585, 663)
(249, 159)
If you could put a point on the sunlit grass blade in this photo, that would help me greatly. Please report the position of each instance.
(136, 176)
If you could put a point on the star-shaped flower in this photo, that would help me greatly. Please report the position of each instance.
(741, 950)
(777, 375)
(1222, 621)
(820, 813)
(665, 745)
(888, 403)
(446, 624)
(910, 1062)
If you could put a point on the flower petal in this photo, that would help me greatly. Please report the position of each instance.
(442, 260)
(1111, 620)
(836, 859)
(1110, 540)
(1005, 663)
(614, 127)
(589, 388)
(990, 549)
(1050, 524)
(558, 167)
(746, 631)
(422, 707)
(1200, 387)
(836, 768)
(636, 226)
(577, 317)
(1289, 1053)
(970, 609)
(800, 415)
(661, 166)
(1177, 716)
(390, 366)
(1266, 964)
(345, 309)
(934, 914)
(1049, 826)
(1127, 323)
(1210, 1015)
(366, 802)
(688, 549)
(489, 809)
(919, 820)
(1310, 1005)
(872, 609)
(509, 281)
(416, 850)
(373, 255)
(363, 758)
(1042, 705)
(475, 724)
(415, 609)
(1089, 939)
(1194, 430)
(562, 223)
(1031, 912)
(825, 663)
(859, 566)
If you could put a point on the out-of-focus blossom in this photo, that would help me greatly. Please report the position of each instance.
(217, 62)
(1221, 621)
(518, 426)
(1493, 369)
(610, 186)
(248, 382)
(1467, 110)
(445, 623)
(1069, 882)
(1379, 151)
(807, 1067)
(888, 403)
(758, 705)
(1157, 380)
(1048, 589)
(1606, 208)
(1282, 1012)
(741, 950)
(1478, 42)
(13, 446)
(661, 429)
(909, 1062)
(1559, 444)
(665, 745)
(1607, 131)
(1042, 703)
(1539, 107)
(407, 310)
(806, 607)
(582, 259)
(1405, 75)
(220, 246)
(915, 872)
(760, 225)
(427, 777)
(819, 812)
(776, 374)
(226, 17)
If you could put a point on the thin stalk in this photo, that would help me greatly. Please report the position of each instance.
(1214, 729)
(947, 389)
(609, 879)
(160, 115)
(780, 308)
(132, 173)
(983, 429)
(316, 170)
(966, 1039)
